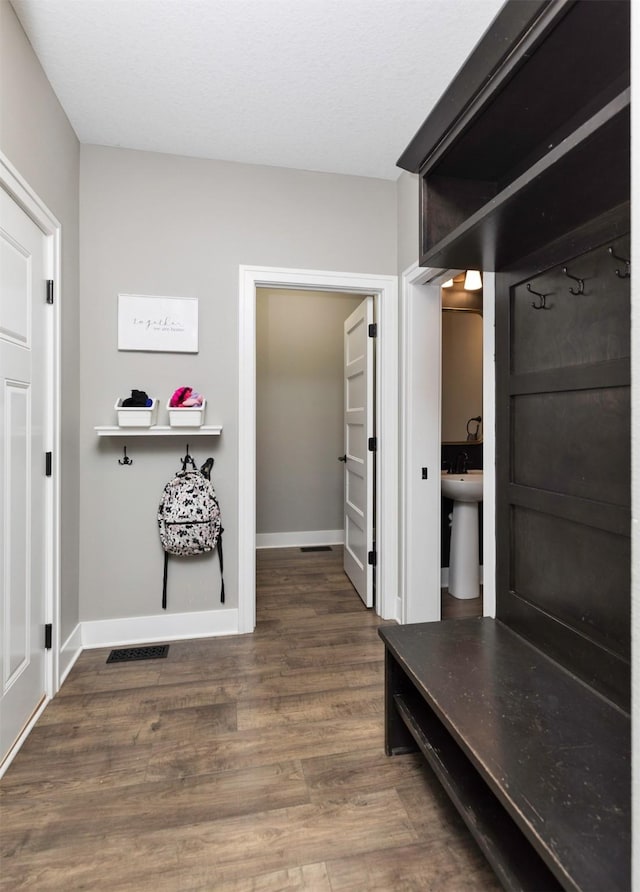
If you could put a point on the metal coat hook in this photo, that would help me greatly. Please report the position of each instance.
(187, 460)
(126, 460)
(580, 288)
(624, 275)
(543, 299)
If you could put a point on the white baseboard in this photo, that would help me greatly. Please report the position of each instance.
(69, 652)
(170, 627)
(289, 540)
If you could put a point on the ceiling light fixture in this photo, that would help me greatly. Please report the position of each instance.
(448, 283)
(473, 280)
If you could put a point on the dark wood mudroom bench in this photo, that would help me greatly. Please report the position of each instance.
(524, 719)
(536, 762)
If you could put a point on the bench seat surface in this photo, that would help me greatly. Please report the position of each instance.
(556, 754)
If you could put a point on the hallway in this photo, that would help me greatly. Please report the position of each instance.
(235, 764)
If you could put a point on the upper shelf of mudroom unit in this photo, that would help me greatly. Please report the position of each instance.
(159, 430)
(531, 138)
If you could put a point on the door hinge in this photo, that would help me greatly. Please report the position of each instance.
(372, 558)
(48, 462)
(373, 444)
(373, 330)
(49, 291)
(48, 636)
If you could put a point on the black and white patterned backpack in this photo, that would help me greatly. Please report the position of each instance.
(189, 518)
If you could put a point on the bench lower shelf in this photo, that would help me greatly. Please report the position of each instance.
(512, 857)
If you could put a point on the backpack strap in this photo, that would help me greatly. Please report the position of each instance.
(205, 470)
(221, 567)
(164, 581)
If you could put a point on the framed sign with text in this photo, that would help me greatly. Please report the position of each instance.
(160, 324)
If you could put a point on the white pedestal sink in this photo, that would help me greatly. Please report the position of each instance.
(464, 559)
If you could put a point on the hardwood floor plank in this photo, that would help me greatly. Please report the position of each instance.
(345, 774)
(99, 677)
(299, 681)
(283, 614)
(310, 707)
(152, 806)
(333, 655)
(134, 706)
(295, 836)
(308, 878)
(135, 860)
(415, 868)
(352, 635)
(125, 764)
(258, 746)
(214, 665)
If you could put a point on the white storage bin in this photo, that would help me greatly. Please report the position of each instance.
(187, 416)
(137, 416)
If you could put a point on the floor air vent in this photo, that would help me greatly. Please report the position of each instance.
(316, 548)
(128, 654)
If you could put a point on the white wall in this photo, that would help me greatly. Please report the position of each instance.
(461, 373)
(300, 409)
(408, 220)
(36, 137)
(160, 224)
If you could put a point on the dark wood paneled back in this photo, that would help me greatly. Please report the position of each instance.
(563, 427)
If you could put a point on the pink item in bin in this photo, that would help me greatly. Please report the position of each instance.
(187, 397)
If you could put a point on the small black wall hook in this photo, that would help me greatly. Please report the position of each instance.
(580, 288)
(543, 299)
(627, 273)
(188, 460)
(126, 460)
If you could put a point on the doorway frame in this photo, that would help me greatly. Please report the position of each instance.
(385, 291)
(420, 433)
(31, 203)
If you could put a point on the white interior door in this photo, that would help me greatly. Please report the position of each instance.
(22, 469)
(358, 427)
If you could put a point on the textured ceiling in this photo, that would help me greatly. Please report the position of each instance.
(328, 85)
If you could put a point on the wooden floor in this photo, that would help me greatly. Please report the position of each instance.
(244, 763)
(459, 608)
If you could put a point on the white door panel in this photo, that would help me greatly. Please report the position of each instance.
(358, 426)
(22, 481)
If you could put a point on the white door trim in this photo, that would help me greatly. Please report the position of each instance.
(13, 183)
(385, 289)
(420, 373)
(420, 356)
(489, 443)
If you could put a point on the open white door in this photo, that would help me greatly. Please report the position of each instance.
(358, 458)
(23, 353)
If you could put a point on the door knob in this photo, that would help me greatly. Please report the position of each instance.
(342, 458)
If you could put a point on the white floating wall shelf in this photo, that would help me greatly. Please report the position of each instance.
(209, 430)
